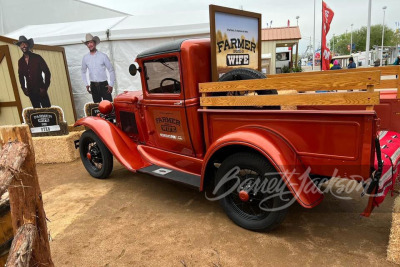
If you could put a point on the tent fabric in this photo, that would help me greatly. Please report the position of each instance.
(122, 39)
(66, 33)
(15, 14)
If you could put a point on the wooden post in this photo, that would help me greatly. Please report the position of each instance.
(291, 57)
(22, 247)
(24, 192)
(370, 89)
(297, 54)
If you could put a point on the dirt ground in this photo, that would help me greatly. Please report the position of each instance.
(139, 220)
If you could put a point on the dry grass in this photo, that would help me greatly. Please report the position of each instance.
(393, 251)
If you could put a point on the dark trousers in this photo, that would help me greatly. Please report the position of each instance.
(99, 91)
(39, 101)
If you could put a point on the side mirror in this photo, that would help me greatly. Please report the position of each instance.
(133, 69)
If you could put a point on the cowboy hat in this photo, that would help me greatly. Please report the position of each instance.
(23, 39)
(90, 37)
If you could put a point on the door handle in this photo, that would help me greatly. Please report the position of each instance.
(178, 103)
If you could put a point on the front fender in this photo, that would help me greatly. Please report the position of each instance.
(281, 155)
(119, 144)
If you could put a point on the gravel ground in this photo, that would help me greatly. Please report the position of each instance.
(139, 220)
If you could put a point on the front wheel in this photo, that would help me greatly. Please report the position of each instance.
(95, 156)
(254, 195)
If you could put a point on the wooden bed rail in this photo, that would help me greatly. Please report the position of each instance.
(327, 82)
(390, 76)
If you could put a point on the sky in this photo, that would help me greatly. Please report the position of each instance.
(347, 12)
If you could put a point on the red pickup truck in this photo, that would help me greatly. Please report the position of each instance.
(256, 161)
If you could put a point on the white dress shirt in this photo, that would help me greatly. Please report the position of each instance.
(97, 64)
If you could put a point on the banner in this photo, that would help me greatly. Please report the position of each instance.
(327, 16)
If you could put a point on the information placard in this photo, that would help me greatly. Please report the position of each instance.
(45, 121)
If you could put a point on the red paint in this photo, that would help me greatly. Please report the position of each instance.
(105, 107)
(244, 196)
(120, 145)
(388, 111)
(290, 140)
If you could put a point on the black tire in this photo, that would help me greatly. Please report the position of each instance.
(248, 214)
(247, 74)
(99, 163)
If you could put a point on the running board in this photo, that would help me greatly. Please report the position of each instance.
(173, 175)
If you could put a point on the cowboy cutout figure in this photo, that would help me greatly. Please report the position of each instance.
(97, 63)
(31, 68)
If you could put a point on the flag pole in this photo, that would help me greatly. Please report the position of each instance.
(368, 35)
(322, 25)
(313, 55)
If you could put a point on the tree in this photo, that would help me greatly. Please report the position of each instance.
(391, 38)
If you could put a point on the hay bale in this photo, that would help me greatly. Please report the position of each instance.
(71, 128)
(56, 149)
(393, 251)
(91, 109)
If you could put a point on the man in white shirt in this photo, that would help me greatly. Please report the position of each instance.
(97, 63)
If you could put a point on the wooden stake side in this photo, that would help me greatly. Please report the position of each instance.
(370, 89)
(386, 70)
(398, 82)
(357, 98)
(392, 82)
(25, 195)
(331, 81)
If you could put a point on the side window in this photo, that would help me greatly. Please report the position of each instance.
(162, 76)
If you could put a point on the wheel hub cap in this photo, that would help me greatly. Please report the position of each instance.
(244, 196)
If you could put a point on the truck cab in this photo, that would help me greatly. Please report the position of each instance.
(165, 112)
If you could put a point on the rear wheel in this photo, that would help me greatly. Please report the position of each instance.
(95, 156)
(259, 199)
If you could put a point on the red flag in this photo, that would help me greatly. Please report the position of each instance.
(327, 16)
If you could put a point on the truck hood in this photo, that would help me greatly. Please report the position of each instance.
(128, 96)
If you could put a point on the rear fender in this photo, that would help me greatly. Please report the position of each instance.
(119, 144)
(279, 152)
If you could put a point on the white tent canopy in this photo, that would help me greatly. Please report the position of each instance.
(15, 14)
(122, 38)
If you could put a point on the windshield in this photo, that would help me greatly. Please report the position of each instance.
(162, 76)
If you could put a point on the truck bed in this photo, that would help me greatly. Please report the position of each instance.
(322, 140)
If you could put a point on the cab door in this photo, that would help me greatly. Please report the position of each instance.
(164, 104)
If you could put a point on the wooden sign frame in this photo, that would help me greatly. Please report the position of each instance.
(213, 10)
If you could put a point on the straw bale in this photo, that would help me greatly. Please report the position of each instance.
(56, 149)
(71, 128)
(89, 107)
(393, 251)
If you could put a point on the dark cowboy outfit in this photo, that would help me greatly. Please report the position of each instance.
(31, 79)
